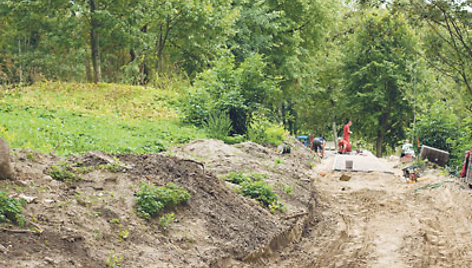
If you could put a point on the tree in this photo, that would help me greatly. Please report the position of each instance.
(447, 39)
(377, 64)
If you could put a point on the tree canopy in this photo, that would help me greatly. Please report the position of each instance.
(390, 66)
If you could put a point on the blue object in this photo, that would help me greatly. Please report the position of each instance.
(303, 139)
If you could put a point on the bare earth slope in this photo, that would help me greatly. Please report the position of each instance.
(377, 220)
(372, 220)
(93, 223)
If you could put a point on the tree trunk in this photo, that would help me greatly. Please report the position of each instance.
(94, 43)
(378, 143)
(88, 70)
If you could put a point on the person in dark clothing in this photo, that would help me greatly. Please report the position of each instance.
(319, 144)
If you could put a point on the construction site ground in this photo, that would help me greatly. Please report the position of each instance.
(366, 220)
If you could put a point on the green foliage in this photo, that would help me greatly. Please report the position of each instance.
(218, 125)
(235, 90)
(234, 139)
(440, 128)
(437, 127)
(377, 68)
(254, 186)
(262, 192)
(237, 178)
(264, 132)
(151, 200)
(64, 172)
(278, 161)
(288, 189)
(123, 235)
(113, 260)
(71, 119)
(11, 210)
(166, 220)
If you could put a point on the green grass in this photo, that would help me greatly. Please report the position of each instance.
(83, 117)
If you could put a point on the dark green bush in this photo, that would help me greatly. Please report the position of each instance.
(151, 200)
(11, 210)
(236, 90)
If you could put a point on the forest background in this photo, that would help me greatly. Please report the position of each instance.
(82, 75)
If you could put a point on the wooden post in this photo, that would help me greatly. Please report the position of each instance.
(335, 135)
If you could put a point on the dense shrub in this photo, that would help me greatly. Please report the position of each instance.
(153, 199)
(236, 90)
(262, 131)
(440, 128)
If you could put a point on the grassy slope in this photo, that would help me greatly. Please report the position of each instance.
(84, 117)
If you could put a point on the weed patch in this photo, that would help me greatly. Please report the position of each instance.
(11, 210)
(166, 220)
(151, 200)
(253, 186)
(64, 172)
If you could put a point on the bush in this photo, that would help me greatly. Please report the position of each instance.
(440, 128)
(264, 132)
(151, 200)
(236, 90)
(218, 125)
(253, 186)
(11, 210)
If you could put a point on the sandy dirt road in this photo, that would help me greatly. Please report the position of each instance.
(377, 220)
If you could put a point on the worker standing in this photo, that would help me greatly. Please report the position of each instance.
(347, 148)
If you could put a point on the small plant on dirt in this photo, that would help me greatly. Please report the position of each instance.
(123, 235)
(97, 234)
(11, 210)
(288, 189)
(262, 192)
(115, 221)
(278, 161)
(153, 199)
(31, 157)
(237, 178)
(113, 260)
(114, 167)
(166, 220)
(254, 186)
(64, 172)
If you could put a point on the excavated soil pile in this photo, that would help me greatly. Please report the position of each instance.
(284, 171)
(92, 222)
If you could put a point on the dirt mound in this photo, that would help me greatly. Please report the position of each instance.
(92, 222)
(288, 174)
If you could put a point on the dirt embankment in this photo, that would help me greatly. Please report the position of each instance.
(377, 220)
(93, 223)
